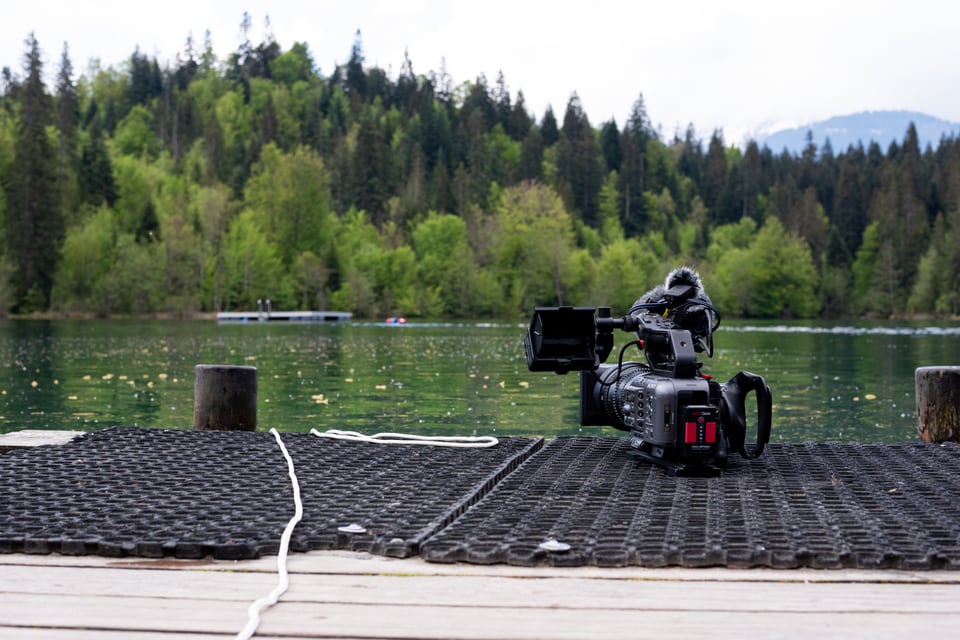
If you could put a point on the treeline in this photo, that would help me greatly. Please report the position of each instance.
(206, 185)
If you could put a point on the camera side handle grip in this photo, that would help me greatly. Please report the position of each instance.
(734, 393)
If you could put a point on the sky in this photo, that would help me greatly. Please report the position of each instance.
(745, 67)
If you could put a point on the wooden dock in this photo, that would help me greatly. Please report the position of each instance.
(345, 594)
(338, 594)
(28, 438)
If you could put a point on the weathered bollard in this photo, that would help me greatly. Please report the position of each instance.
(225, 398)
(938, 403)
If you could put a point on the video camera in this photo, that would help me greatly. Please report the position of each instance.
(678, 418)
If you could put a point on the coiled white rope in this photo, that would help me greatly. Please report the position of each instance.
(253, 613)
(465, 442)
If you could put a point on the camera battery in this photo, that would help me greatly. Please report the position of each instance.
(699, 428)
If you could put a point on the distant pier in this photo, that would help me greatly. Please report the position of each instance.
(328, 317)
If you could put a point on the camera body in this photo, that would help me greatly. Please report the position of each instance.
(668, 418)
(677, 418)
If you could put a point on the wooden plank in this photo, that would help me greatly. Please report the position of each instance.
(428, 620)
(350, 562)
(354, 562)
(196, 614)
(57, 560)
(620, 595)
(28, 438)
(96, 582)
(72, 595)
(34, 633)
(345, 595)
(484, 591)
(357, 621)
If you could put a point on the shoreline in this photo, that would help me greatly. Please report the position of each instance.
(212, 315)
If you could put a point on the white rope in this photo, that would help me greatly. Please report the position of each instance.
(283, 582)
(477, 442)
(253, 613)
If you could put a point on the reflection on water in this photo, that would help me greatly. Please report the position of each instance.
(841, 382)
(854, 330)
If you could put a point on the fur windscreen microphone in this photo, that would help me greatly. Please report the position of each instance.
(682, 298)
(683, 283)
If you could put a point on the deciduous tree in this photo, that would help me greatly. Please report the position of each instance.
(534, 242)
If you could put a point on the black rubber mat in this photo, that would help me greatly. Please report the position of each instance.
(153, 493)
(799, 505)
(189, 494)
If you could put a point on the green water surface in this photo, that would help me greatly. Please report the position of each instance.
(841, 382)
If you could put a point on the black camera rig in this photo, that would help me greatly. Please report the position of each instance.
(678, 418)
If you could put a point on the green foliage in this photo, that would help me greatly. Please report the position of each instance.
(133, 284)
(34, 220)
(395, 274)
(730, 238)
(835, 291)
(535, 240)
(290, 194)
(356, 246)
(134, 135)
(863, 267)
(293, 66)
(181, 257)
(447, 268)
(207, 186)
(781, 275)
(253, 268)
(624, 272)
(936, 284)
(310, 275)
(95, 176)
(728, 280)
(88, 256)
(769, 274)
(134, 193)
(609, 210)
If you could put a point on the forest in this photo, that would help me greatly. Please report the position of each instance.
(206, 185)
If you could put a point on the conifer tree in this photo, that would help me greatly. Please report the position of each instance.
(548, 128)
(406, 90)
(715, 174)
(68, 117)
(633, 169)
(34, 219)
(531, 155)
(751, 172)
(849, 210)
(501, 99)
(396, 148)
(356, 80)
(519, 122)
(95, 176)
(610, 145)
(578, 161)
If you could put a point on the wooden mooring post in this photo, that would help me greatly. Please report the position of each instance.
(938, 404)
(225, 398)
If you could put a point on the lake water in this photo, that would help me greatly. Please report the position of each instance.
(830, 382)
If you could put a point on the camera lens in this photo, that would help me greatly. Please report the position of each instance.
(611, 393)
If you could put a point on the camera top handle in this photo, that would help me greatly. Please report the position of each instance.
(670, 351)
